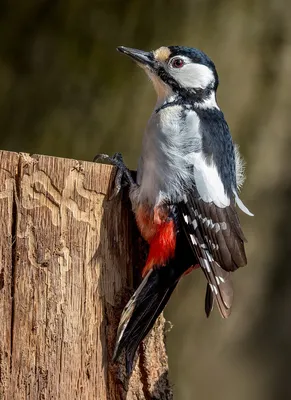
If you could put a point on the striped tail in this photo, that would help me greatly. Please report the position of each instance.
(142, 310)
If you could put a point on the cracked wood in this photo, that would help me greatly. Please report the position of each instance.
(65, 274)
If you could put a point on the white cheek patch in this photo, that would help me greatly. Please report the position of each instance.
(193, 76)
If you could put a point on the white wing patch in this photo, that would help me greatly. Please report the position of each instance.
(208, 182)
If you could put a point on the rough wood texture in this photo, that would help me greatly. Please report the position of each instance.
(65, 274)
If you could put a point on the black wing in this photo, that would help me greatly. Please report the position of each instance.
(217, 241)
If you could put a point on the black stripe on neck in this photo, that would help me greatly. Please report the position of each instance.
(188, 100)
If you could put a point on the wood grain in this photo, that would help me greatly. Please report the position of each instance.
(8, 177)
(64, 279)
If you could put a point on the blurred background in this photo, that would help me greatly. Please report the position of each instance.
(65, 91)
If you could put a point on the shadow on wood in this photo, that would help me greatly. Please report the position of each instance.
(66, 272)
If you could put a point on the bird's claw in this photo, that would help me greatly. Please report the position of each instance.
(114, 160)
(123, 175)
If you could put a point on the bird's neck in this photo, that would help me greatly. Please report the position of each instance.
(189, 99)
(177, 95)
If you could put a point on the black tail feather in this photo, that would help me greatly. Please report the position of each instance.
(209, 300)
(142, 311)
(145, 324)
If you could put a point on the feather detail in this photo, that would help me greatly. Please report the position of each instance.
(241, 205)
(162, 246)
(240, 165)
(143, 309)
(217, 241)
(209, 300)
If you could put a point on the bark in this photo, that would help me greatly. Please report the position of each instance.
(66, 272)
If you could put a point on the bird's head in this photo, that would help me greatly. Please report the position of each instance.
(185, 71)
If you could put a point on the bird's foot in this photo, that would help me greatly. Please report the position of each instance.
(123, 175)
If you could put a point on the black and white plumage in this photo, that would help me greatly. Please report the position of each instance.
(190, 167)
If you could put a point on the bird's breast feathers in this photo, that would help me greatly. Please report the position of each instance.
(173, 158)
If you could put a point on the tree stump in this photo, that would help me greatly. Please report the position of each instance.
(67, 261)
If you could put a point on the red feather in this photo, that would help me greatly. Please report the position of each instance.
(160, 233)
(162, 246)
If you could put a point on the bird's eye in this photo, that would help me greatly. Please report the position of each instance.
(177, 63)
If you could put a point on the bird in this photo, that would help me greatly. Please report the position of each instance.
(185, 193)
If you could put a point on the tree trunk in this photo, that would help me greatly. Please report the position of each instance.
(66, 272)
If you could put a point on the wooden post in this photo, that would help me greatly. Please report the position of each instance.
(65, 274)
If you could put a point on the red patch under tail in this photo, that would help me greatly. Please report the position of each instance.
(162, 246)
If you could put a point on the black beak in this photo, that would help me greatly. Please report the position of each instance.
(142, 57)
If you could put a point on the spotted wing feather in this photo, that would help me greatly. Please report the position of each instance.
(217, 241)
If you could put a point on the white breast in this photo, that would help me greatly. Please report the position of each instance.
(168, 139)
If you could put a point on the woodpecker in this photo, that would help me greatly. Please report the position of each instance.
(186, 190)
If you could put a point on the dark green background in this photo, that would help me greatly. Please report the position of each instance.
(65, 91)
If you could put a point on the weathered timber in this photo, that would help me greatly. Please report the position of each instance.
(67, 256)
